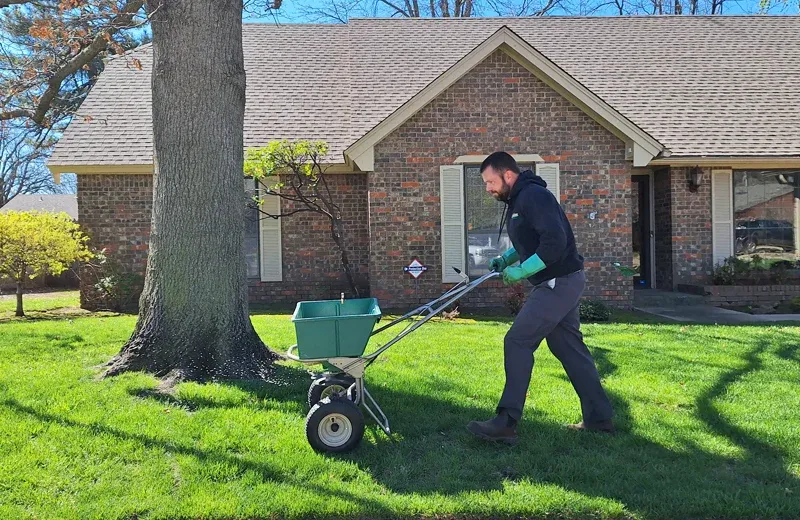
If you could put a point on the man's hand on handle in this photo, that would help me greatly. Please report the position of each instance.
(500, 263)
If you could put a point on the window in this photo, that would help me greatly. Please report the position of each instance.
(765, 213)
(482, 213)
(251, 241)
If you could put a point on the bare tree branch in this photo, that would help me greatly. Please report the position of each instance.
(543, 11)
(397, 9)
(276, 216)
(84, 57)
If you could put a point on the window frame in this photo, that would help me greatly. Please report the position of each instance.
(256, 190)
(473, 165)
(735, 221)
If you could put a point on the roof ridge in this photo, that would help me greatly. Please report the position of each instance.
(573, 17)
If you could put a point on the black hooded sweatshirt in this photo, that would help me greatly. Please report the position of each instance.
(537, 225)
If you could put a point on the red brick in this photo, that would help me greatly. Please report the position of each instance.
(512, 118)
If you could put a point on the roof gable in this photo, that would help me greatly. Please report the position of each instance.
(642, 146)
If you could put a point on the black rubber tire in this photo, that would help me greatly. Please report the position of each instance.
(319, 385)
(345, 415)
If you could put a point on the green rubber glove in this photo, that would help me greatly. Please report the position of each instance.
(499, 263)
(529, 267)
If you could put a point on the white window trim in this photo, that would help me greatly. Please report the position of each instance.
(477, 159)
(262, 222)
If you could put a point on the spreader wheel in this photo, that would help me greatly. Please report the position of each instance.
(328, 386)
(334, 425)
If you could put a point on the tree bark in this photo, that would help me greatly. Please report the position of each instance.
(193, 319)
(19, 312)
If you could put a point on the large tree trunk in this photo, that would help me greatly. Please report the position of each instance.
(193, 318)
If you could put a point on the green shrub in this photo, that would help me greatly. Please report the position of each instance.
(780, 273)
(757, 263)
(590, 310)
(594, 311)
(795, 304)
(729, 271)
(516, 299)
(113, 287)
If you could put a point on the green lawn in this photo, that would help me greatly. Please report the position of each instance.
(39, 305)
(709, 420)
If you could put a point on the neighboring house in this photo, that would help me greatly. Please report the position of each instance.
(41, 202)
(672, 114)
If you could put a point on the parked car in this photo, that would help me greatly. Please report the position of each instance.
(480, 251)
(756, 233)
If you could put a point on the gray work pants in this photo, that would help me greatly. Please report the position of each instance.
(553, 314)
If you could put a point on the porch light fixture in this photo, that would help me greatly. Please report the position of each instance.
(695, 178)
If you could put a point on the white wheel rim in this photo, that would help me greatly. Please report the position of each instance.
(335, 430)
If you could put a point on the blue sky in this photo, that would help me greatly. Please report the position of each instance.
(291, 13)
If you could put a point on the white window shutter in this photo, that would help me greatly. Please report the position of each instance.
(550, 173)
(722, 214)
(454, 246)
(270, 229)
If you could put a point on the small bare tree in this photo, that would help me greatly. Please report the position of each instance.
(300, 167)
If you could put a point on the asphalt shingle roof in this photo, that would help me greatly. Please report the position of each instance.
(52, 203)
(712, 86)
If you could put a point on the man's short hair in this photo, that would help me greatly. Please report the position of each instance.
(500, 161)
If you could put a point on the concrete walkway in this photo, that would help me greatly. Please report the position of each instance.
(709, 314)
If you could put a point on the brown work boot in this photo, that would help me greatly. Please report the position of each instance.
(501, 428)
(602, 426)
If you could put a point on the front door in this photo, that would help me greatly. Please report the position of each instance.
(642, 226)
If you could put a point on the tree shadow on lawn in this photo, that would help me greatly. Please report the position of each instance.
(437, 455)
(433, 454)
(790, 351)
(244, 463)
(284, 384)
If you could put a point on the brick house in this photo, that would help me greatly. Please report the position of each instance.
(651, 131)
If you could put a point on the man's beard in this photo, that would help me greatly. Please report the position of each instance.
(503, 194)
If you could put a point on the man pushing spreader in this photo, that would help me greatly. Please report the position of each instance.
(544, 246)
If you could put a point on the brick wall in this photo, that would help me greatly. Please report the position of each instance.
(692, 251)
(497, 106)
(115, 211)
(754, 295)
(684, 247)
(311, 262)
